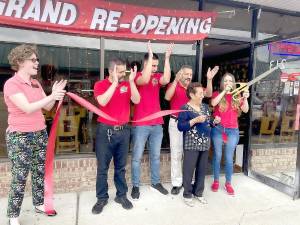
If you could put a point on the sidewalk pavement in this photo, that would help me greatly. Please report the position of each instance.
(253, 204)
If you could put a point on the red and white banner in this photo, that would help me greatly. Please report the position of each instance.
(103, 18)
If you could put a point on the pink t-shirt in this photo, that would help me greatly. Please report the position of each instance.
(119, 105)
(149, 103)
(179, 98)
(229, 118)
(17, 119)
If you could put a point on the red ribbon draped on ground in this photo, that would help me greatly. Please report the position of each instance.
(52, 136)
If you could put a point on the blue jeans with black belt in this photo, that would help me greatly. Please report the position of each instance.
(217, 140)
(111, 143)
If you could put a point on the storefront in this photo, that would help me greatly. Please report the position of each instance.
(246, 39)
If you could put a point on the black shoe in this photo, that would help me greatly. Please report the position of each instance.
(98, 207)
(159, 188)
(126, 204)
(176, 190)
(50, 213)
(135, 193)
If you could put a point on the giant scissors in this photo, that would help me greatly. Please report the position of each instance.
(245, 86)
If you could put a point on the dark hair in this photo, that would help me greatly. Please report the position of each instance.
(146, 56)
(186, 67)
(115, 62)
(191, 89)
(137, 64)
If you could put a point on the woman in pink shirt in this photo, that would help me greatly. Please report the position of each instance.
(228, 109)
(26, 136)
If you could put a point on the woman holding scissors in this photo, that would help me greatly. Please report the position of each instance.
(228, 109)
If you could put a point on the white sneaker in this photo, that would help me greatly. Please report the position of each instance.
(202, 200)
(189, 201)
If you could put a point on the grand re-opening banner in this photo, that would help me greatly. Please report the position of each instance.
(103, 18)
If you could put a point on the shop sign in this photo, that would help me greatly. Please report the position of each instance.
(286, 48)
(103, 18)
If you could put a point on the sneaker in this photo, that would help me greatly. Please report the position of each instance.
(229, 188)
(126, 204)
(135, 193)
(98, 207)
(159, 188)
(176, 190)
(189, 201)
(202, 200)
(215, 186)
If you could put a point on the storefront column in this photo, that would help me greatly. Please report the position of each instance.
(199, 51)
(102, 52)
(252, 65)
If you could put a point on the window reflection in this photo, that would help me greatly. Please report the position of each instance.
(274, 101)
(75, 133)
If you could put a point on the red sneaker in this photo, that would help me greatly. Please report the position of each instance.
(215, 186)
(229, 189)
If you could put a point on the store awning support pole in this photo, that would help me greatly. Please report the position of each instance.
(102, 51)
(199, 51)
(251, 71)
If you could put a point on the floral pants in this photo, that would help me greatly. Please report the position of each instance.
(27, 152)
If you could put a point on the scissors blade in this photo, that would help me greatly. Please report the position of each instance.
(261, 76)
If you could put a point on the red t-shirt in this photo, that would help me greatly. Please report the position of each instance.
(17, 119)
(179, 98)
(119, 105)
(149, 103)
(229, 118)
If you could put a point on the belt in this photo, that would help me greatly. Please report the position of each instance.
(115, 127)
(173, 117)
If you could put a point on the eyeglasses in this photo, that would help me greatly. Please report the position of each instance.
(34, 60)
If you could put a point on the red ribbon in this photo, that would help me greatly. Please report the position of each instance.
(48, 201)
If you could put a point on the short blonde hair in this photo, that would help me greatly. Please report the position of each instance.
(19, 54)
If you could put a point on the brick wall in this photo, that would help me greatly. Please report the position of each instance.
(79, 174)
(274, 160)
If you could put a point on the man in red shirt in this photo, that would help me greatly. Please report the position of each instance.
(149, 82)
(112, 137)
(176, 94)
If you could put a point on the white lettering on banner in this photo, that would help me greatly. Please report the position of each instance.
(50, 12)
(151, 23)
(109, 21)
(138, 20)
(163, 22)
(192, 26)
(99, 18)
(34, 11)
(205, 26)
(16, 8)
(182, 28)
(68, 14)
(174, 26)
(112, 20)
(15, 5)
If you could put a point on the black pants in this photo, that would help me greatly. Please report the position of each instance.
(110, 144)
(194, 161)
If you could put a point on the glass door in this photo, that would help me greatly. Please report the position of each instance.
(275, 117)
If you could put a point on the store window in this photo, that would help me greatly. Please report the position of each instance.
(136, 58)
(274, 137)
(76, 129)
(274, 24)
(231, 21)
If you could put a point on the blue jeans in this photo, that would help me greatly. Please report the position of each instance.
(232, 141)
(141, 134)
(116, 146)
